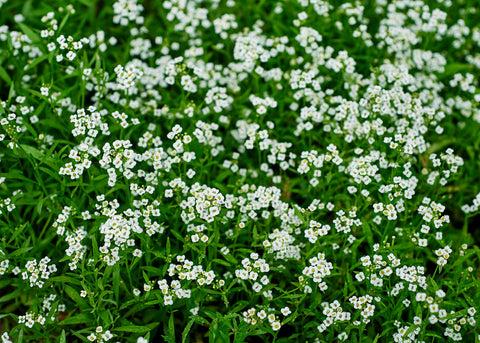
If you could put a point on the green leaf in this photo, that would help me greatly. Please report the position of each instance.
(20, 336)
(116, 282)
(128, 304)
(75, 296)
(132, 328)
(10, 296)
(95, 248)
(63, 278)
(76, 319)
(20, 251)
(29, 32)
(178, 236)
(38, 155)
(222, 262)
(63, 22)
(63, 338)
(33, 64)
(368, 233)
(4, 75)
(171, 327)
(187, 330)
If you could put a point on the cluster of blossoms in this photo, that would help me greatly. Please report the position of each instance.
(474, 207)
(253, 268)
(37, 272)
(100, 336)
(317, 270)
(254, 316)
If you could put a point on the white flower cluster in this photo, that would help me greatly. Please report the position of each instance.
(253, 268)
(474, 207)
(37, 272)
(334, 313)
(126, 11)
(100, 336)
(254, 316)
(126, 76)
(317, 270)
(183, 274)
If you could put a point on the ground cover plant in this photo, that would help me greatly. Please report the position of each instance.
(239, 171)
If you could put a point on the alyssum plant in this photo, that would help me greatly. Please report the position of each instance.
(297, 170)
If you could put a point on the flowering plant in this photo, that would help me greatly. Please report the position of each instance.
(193, 170)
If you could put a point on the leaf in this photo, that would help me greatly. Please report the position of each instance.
(168, 246)
(63, 338)
(63, 22)
(33, 64)
(20, 251)
(29, 32)
(75, 296)
(20, 336)
(4, 75)
(95, 248)
(171, 327)
(132, 328)
(63, 278)
(128, 303)
(76, 319)
(10, 296)
(38, 155)
(116, 281)
(368, 233)
(178, 236)
(222, 262)
(240, 305)
(187, 330)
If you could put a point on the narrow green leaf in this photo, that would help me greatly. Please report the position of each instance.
(128, 304)
(132, 328)
(5, 77)
(20, 336)
(63, 278)
(63, 338)
(116, 282)
(222, 262)
(187, 330)
(33, 64)
(29, 32)
(178, 236)
(63, 22)
(95, 248)
(171, 326)
(20, 251)
(10, 296)
(76, 319)
(75, 296)
(168, 246)
(368, 233)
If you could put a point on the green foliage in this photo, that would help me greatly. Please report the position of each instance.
(239, 171)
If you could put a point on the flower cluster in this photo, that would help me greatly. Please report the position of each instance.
(37, 272)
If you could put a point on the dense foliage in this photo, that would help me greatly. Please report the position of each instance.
(207, 170)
